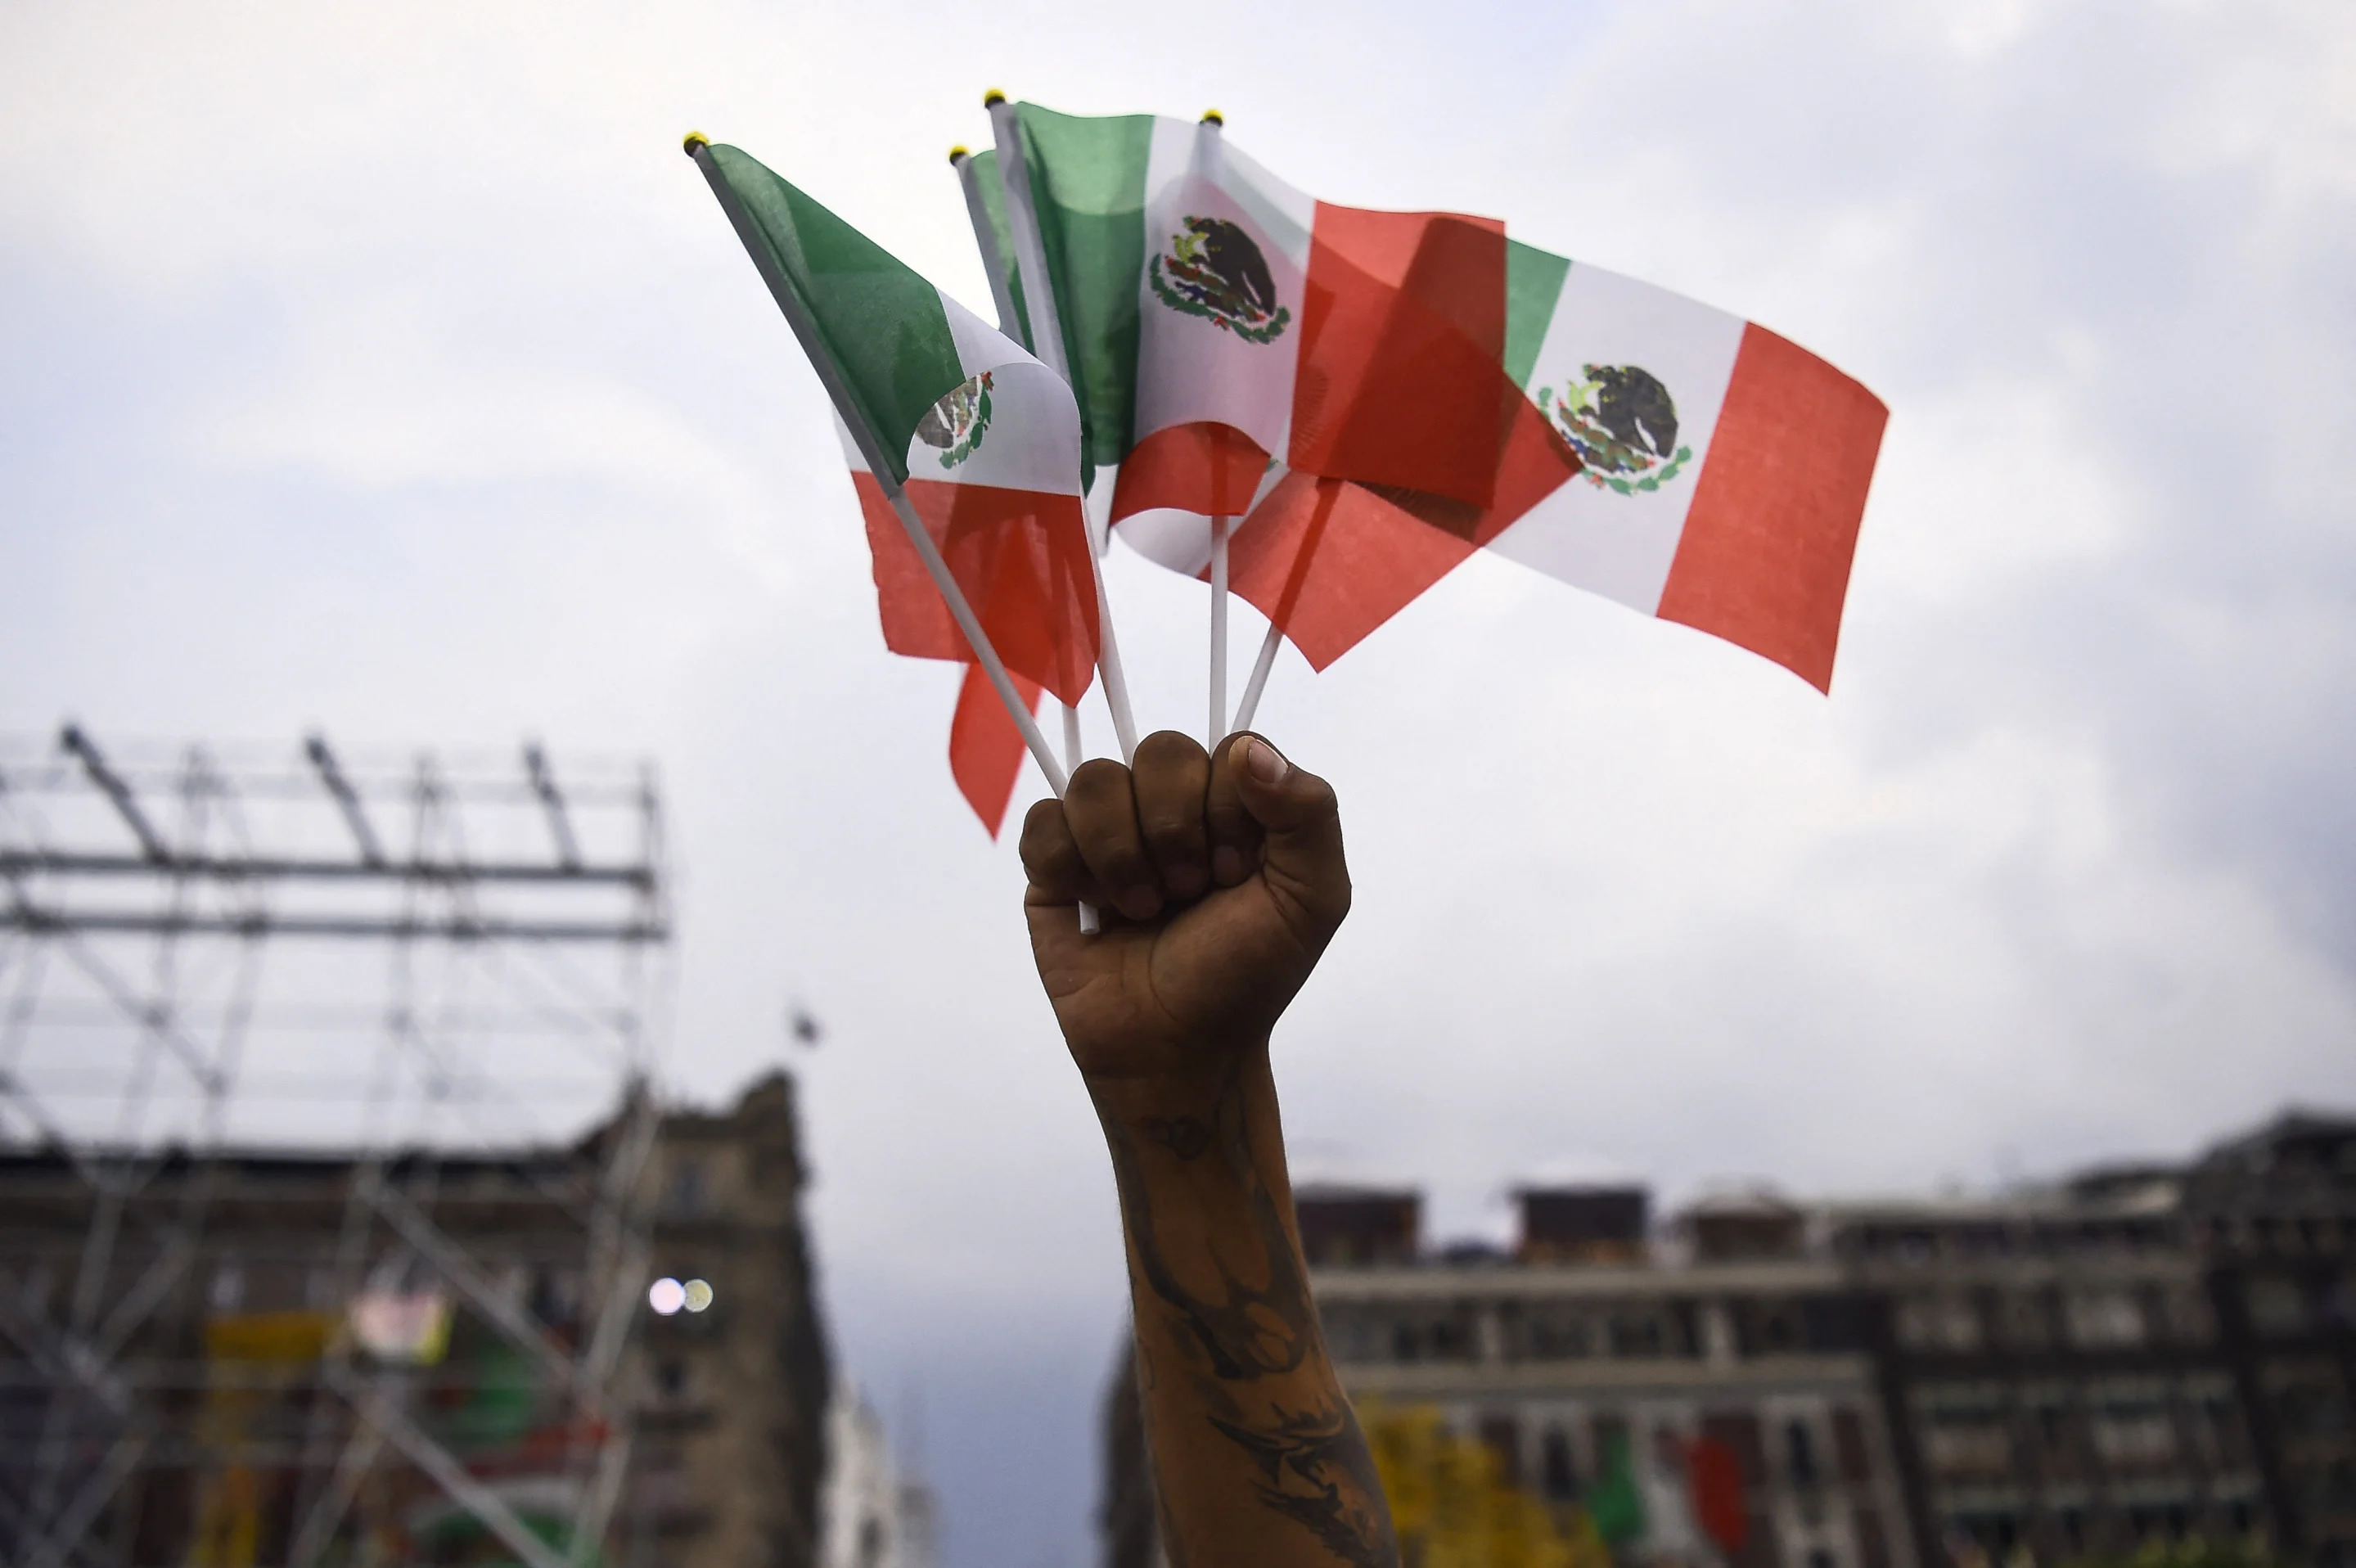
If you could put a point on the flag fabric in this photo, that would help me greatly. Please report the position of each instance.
(1714, 1473)
(1614, 1502)
(991, 190)
(986, 751)
(1216, 318)
(982, 439)
(1722, 474)
(1724, 467)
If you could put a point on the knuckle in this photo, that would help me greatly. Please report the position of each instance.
(1169, 748)
(1096, 777)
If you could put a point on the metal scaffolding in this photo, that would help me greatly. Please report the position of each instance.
(293, 1045)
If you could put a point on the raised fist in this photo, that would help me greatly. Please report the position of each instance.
(1220, 880)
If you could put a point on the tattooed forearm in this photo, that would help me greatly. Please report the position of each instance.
(1318, 1473)
(1248, 1331)
(1184, 1137)
(1231, 1362)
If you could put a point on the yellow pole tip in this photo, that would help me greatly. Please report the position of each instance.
(1213, 117)
(991, 99)
(958, 154)
(692, 140)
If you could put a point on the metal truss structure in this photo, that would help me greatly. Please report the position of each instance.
(287, 1034)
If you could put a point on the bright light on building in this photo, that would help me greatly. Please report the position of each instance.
(667, 1295)
(698, 1295)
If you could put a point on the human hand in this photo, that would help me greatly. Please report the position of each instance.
(1220, 879)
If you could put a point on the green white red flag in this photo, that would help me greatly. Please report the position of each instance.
(981, 439)
(1723, 476)
(1215, 316)
(1383, 393)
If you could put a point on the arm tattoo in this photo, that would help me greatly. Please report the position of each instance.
(1314, 1465)
(1184, 1137)
(1304, 1462)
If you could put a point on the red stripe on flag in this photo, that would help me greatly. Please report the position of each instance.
(1329, 561)
(1204, 467)
(1764, 558)
(1715, 1476)
(986, 750)
(1402, 378)
(1020, 557)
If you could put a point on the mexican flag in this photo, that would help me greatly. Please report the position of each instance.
(1721, 477)
(981, 438)
(1216, 317)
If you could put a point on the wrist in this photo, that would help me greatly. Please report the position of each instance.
(1190, 1082)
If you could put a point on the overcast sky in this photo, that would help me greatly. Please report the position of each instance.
(390, 370)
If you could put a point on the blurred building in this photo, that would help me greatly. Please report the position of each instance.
(876, 1512)
(301, 1358)
(2272, 1215)
(1588, 1342)
(2137, 1355)
(2052, 1372)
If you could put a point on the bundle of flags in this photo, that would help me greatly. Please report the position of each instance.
(1323, 409)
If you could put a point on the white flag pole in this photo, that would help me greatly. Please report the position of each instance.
(822, 361)
(1258, 682)
(985, 240)
(1218, 630)
(1048, 342)
(1010, 322)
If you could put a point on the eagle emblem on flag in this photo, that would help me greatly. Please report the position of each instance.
(1622, 423)
(1213, 269)
(956, 424)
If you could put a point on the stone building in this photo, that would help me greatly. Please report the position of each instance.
(273, 1356)
(1585, 1341)
(2139, 1354)
(874, 1512)
(2052, 1369)
(2272, 1215)
(731, 1431)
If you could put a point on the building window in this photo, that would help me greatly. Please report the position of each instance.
(1800, 1452)
(1557, 1338)
(2131, 1434)
(2027, 1322)
(2190, 1321)
(1556, 1473)
(2277, 1306)
(686, 1192)
(1501, 1436)
(1850, 1445)
(1967, 1435)
(2312, 1408)
(1636, 1333)
(2104, 1319)
(1937, 1323)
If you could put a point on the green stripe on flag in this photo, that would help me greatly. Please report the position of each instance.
(994, 204)
(1087, 181)
(1614, 1502)
(1533, 285)
(882, 323)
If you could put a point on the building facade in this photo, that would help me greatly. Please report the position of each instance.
(302, 1358)
(1556, 1363)
(2142, 1355)
(2273, 1216)
(2052, 1372)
